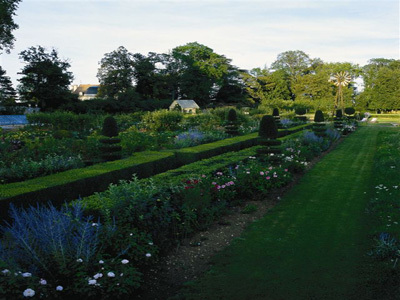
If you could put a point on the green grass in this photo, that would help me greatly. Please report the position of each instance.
(387, 118)
(313, 244)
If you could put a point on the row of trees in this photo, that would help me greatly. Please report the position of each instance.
(195, 71)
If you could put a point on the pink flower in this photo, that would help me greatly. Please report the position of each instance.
(223, 186)
(231, 182)
(214, 183)
(268, 178)
(261, 173)
(270, 168)
(286, 170)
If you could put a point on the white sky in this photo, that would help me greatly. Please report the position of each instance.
(250, 32)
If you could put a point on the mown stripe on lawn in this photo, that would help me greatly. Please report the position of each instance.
(311, 245)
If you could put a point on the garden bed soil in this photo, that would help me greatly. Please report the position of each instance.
(193, 256)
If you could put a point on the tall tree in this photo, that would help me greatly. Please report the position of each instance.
(116, 73)
(201, 71)
(268, 88)
(382, 84)
(7, 24)
(7, 92)
(45, 79)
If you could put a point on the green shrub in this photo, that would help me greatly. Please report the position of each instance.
(268, 128)
(300, 111)
(232, 124)
(110, 128)
(162, 120)
(319, 116)
(349, 110)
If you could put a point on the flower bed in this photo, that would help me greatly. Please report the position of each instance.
(97, 247)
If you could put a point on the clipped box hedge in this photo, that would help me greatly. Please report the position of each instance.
(192, 154)
(72, 184)
(83, 182)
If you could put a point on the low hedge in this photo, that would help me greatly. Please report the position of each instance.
(83, 182)
(183, 173)
(192, 154)
(75, 183)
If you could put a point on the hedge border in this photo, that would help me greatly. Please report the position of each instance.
(72, 184)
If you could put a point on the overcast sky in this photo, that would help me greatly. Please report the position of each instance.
(250, 32)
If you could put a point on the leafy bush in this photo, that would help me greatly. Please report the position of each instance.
(300, 111)
(162, 120)
(28, 168)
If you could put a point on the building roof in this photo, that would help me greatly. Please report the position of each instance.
(13, 120)
(83, 88)
(186, 103)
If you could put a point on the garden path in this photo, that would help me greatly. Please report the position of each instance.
(312, 244)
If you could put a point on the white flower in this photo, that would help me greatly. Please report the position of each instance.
(43, 282)
(98, 275)
(5, 271)
(101, 261)
(26, 274)
(92, 281)
(151, 243)
(29, 293)
(148, 255)
(122, 274)
(59, 288)
(124, 261)
(110, 274)
(95, 224)
(79, 260)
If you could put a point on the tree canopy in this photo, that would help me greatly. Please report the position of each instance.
(116, 73)
(7, 92)
(7, 24)
(45, 78)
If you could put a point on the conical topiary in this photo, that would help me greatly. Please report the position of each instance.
(268, 128)
(110, 148)
(275, 114)
(319, 127)
(110, 128)
(268, 134)
(338, 121)
(232, 124)
(319, 116)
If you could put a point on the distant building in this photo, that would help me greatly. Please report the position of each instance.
(185, 106)
(85, 91)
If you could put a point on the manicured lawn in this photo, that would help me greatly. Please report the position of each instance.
(313, 244)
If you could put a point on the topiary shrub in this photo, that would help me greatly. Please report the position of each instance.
(232, 124)
(318, 127)
(268, 128)
(275, 114)
(300, 114)
(319, 116)
(268, 134)
(110, 128)
(338, 121)
(349, 110)
(110, 148)
(300, 111)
